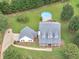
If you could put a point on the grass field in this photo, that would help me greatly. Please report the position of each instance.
(34, 19)
(57, 53)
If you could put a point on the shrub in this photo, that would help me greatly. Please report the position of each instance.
(74, 24)
(5, 8)
(22, 19)
(76, 38)
(67, 12)
(71, 51)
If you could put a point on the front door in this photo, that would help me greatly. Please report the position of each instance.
(49, 45)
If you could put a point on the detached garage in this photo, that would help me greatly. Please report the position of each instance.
(27, 35)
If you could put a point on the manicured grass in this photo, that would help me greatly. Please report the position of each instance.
(57, 53)
(74, 4)
(34, 16)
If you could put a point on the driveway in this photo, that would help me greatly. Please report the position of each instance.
(7, 41)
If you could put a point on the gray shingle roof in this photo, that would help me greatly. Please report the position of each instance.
(28, 32)
(49, 27)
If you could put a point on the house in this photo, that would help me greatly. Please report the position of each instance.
(49, 34)
(27, 35)
(46, 16)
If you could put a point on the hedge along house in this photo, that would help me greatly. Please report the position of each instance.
(49, 33)
(27, 35)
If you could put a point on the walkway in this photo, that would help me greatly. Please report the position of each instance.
(7, 41)
(30, 48)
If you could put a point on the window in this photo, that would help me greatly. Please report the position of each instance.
(43, 35)
(56, 35)
(50, 35)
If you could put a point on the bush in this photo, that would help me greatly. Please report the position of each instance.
(71, 51)
(74, 24)
(5, 8)
(76, 38)
(67, 12)
(22, 19)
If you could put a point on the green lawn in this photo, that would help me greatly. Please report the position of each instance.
(34, 16)
(57, 53)
(34, 19)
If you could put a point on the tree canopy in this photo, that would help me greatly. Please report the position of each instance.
(67, 12)
(74, 24)
(76, 38)
(71, 51)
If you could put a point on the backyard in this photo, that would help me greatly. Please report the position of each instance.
(34, 19)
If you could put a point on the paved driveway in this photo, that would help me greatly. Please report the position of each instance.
(7, 40)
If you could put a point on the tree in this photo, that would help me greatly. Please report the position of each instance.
(67, 12)
(3, 23)
(20, 5)
(76, 38)
(74, 24)
(71, 51)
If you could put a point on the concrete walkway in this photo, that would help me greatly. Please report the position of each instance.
(31, 48)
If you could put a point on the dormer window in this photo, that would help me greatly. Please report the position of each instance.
(50, 35)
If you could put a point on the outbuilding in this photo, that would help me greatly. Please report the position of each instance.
(27, 35)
